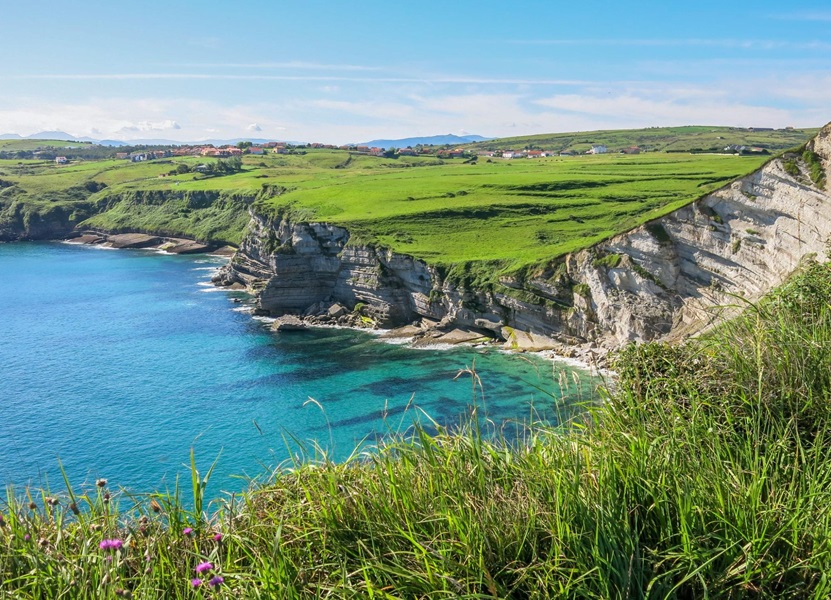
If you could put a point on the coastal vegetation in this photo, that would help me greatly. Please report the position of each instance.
(509, 214)
(702, 473)
(695, 138)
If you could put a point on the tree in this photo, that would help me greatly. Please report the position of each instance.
(182, 168)
(244, 145)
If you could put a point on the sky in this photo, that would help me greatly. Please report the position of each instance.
(339, 72)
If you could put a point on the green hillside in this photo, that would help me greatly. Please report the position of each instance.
(445, 211)
(694, 138)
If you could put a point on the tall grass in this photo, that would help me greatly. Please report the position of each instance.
(705, 474)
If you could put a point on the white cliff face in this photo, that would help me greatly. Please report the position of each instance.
(669, 278)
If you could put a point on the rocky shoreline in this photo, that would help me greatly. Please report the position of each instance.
(668, 279)
(426, 333)
(172, 245)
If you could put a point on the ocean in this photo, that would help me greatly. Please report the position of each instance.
(116, 363)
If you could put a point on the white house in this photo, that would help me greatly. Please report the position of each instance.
(61, 160)
(598, 149)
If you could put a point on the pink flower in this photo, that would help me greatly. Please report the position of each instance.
(218, 537)
(114, 544)
(202, 567)
(187, 531)
(215, 581)
(196, 582)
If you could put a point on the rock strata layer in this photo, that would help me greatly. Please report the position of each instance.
(671, 277)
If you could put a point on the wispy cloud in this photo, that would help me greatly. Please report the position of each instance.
(681, 42)
(295, 65)
(805, 15)
(331, 78)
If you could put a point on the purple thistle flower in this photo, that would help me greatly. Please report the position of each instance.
(202, 567)
(187, 531)
(27, 537)
(218, 537)
(216, 580)
(196, 582)
(114, 544)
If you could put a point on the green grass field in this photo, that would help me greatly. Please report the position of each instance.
(23, 145)
(658, 139)
(515, 212)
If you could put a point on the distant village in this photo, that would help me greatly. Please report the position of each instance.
(228, 151)
(285, 148)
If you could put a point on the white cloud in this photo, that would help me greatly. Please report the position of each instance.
(145, 126)
(403, 111)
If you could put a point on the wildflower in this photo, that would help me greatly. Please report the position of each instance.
(202, 567)
(216, 580)
(196, 582)
(114, 544)
(33, 506)
(74, 508)
(218, 537)
(106, 497)
(27, 537)
(52, 501)
(187, 531)
(155, 506)
(100, 482)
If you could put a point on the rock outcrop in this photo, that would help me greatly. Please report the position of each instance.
(670, 277)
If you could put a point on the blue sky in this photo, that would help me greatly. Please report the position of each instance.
(352, 71)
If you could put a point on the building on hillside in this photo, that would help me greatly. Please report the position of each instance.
(536, 154)
(122, 155)
(631, 150)
(61, 160)
(376, 151)
(256, 150)
(363, 149)
(598, 149)
(406, 152)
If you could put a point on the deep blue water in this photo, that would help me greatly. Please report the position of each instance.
(117, 363)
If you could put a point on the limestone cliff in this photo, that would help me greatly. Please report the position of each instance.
(667, 278)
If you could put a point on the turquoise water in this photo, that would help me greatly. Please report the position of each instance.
(117, 363)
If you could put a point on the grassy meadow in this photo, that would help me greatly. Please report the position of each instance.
(704, 473)
(692, 138)
(517, 212)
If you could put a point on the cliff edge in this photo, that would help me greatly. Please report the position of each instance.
(671, 277)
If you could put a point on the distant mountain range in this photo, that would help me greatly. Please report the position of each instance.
(436, 140)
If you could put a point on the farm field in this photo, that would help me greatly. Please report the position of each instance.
(517, 212)
(693, 138)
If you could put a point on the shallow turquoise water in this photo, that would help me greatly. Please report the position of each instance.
(117, 363)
